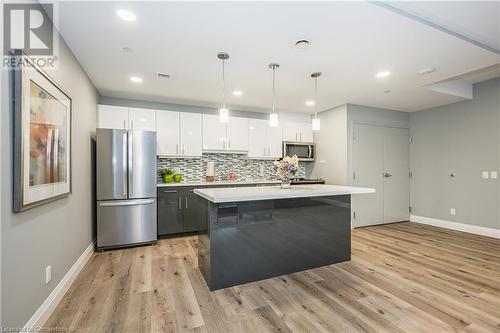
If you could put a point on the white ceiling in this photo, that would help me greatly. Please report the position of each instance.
(350, 42)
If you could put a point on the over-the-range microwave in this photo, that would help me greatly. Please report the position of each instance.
(303, 150)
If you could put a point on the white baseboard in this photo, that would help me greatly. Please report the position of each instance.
(43, 313)
(472, 229)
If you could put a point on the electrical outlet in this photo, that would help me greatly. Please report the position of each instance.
(48, 274)
(453, 212)
(493, 175)
(486, 175)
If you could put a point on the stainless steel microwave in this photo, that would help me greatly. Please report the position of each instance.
(304, 150)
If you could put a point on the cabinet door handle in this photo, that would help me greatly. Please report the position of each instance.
(180, 203)
(264, 151)
(177, 149)
(229, 143)
(300, 136)
(296, 136)
(186, 202)
(169, 191)
(124, 124)
(131, 124)
(183, 149)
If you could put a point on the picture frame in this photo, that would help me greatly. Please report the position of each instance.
(42, 137)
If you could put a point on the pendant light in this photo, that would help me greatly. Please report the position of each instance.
(223, 111)
(273, 117)
(316, 123)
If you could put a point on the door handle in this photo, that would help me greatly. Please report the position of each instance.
(124, 163)
(387, 175)
(127, 203)
(130, 165)
(177, 149)
(169, 191)
(300, 136)
(186, 202)
(180, 203)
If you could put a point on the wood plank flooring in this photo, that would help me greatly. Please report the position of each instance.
(403, 277)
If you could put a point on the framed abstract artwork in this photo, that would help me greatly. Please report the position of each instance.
(42, 138)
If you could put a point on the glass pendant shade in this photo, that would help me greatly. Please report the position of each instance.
(273, 120)
(316, 124)
(223, 115)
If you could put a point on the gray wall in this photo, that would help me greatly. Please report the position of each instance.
(334, 140)
(331, 147)
(461, 138)
(56, 233)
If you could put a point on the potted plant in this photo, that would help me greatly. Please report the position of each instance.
(167, 175)
(285, 168)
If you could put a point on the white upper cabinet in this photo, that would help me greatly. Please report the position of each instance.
(142, 119)
(114, 117)
(167, 133)
(178, 134)
(231, 136)
(190, 134)
(274, 139)
(121, 117)
(264, 141)
(297, 131)
(257, 143)
(237, 134)
(214, 133)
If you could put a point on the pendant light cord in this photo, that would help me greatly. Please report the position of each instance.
(316, 97)
(223, 85)
(274, 90)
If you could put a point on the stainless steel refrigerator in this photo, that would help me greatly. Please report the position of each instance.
(126, 188)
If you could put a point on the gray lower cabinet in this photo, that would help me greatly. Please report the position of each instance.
(180, 210)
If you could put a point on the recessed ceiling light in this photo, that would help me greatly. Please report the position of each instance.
(163, 75)
(383, 74)
(237, 93)
(387, 91)
(302, 44)
(126, 15)
(136, 79)
(309, 103)
(127, 49)
(427, 70)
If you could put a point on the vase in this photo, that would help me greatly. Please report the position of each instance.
(286, 183)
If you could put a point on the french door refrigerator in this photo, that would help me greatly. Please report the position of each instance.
(126, 188)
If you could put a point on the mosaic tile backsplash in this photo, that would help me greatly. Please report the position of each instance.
(194, 169)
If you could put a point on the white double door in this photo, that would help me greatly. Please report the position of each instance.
(381, 160)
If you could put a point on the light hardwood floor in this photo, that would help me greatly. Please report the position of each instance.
(403, 277)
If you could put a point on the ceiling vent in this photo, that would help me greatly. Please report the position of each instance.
(163, 75)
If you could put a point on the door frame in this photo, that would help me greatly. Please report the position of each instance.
(350, 145)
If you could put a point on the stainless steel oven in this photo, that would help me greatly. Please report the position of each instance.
(304, 150)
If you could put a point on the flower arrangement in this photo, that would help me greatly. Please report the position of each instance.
(286, 168)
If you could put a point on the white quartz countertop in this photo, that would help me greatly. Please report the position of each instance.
(236, 194)
(219, 183)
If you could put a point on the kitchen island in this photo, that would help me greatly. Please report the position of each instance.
(255, 233)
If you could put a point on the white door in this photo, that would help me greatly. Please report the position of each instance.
(291, 131)
(237, 134)
(368, 167)
(381, 160)
(167, 133)
(142, 119)
(274, 141)
(257, 141)
(190, 134)
(396, 174)
(306, 132)
(110, 116)
(214, 133)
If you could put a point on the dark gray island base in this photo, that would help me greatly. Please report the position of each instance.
(253, 240)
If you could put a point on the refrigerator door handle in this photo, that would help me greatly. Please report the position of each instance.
(130, 165)
(124, 163)
(127, 203)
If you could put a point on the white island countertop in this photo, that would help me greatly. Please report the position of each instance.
(236, 194)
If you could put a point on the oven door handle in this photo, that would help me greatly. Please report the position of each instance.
(309, 149)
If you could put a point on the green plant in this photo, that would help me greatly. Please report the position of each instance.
(166, 172)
